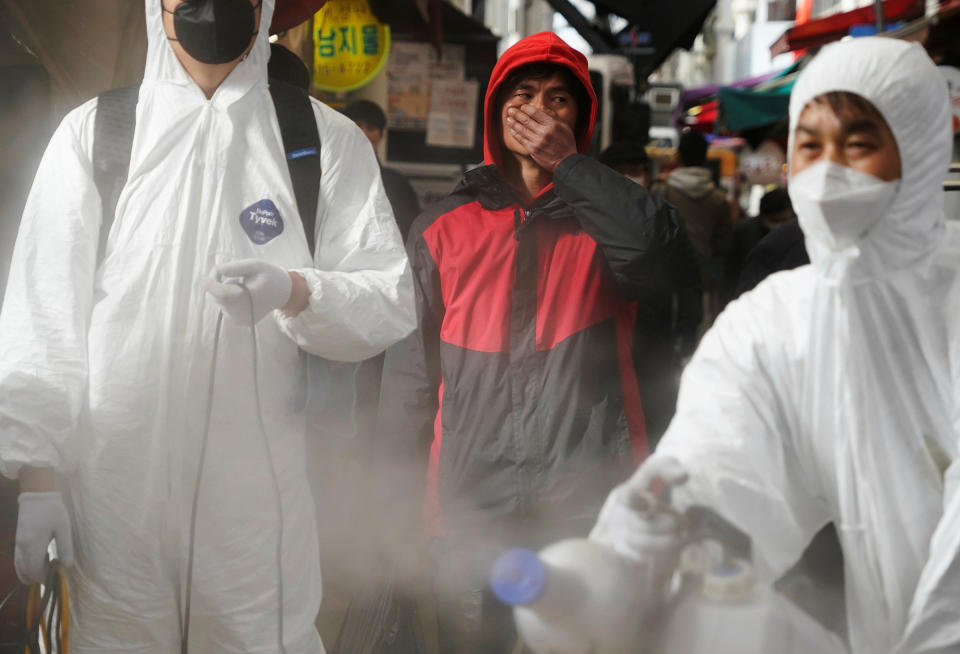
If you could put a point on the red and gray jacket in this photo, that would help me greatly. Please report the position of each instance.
(523, 380)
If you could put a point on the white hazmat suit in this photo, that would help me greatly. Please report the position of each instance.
(104, 369)
(830, 392)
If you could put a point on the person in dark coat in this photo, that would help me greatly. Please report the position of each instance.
(775, 211)
(370, 118)
(539, 285)
(782, 249)
(629, 158)
(681, 307)
(704, 213)
(372, 121)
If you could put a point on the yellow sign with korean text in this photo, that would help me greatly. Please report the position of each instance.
(350, 45)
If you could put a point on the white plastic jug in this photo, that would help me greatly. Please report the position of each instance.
(579, 597)
(731, 613)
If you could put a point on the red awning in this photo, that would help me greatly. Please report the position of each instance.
(821, 31)
(703, 117)
(290, 13)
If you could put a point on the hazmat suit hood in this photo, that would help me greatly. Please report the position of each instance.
(162, 65)
(544, 47)
(886, 72)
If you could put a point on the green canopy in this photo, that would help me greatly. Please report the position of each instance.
(748, 109)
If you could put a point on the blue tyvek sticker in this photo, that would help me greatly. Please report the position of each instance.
(262, 221)
(302, 152)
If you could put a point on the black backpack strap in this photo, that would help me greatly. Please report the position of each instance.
(113, 128)
(301, 143)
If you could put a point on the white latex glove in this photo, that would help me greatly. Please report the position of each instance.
(627, 521)
(43, 517)
(236, 283)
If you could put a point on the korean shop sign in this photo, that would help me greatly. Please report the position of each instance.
(350, 45)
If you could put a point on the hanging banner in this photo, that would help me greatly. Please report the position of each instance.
(453, 113)
(350, 45)
(408, 85)
(764, 165)
(412, 70)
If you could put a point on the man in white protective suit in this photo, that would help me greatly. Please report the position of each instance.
(115, 374)
(830, 392)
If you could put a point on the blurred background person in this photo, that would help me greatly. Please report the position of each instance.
(781, 249)
(704, 213)
(373, 121)
(675, 314)
(629, 158)
(775, 212)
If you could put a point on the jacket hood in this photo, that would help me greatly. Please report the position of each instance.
(693, 181)
(901, 81)
(545, 47)
(162, 64)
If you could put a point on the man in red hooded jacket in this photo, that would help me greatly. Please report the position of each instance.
(544, 311)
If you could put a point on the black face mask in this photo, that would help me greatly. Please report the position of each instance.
(214, 31)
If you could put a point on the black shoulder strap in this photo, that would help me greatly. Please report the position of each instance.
(112, 141)
(301, 142)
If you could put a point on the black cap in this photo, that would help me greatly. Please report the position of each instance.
(775, 201)
(366, 111)
(692, 148)
(624, 152)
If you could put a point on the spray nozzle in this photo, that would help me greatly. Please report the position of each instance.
(237, 281)
(643, 501)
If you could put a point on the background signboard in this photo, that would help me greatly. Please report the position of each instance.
(350, 45)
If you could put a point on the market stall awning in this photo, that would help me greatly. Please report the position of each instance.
(745, 109)
(824, 30)
(653, 30)
(743, 105)
(694, 94)
(703, 117)
(938, 33)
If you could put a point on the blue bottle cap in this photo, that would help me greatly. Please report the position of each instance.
(518, 577)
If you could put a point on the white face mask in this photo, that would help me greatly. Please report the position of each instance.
(837, 205)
